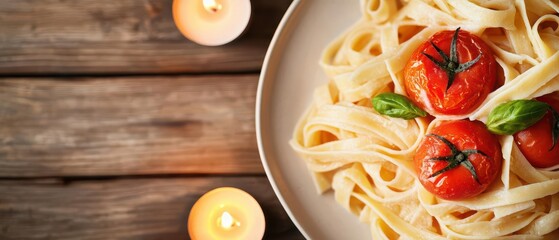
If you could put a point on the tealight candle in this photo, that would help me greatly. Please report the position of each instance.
(226, 213)
(211, 22)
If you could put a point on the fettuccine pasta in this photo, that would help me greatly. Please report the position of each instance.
(367, 158)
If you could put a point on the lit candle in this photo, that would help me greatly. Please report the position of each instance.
(211, 22)
(226, 213)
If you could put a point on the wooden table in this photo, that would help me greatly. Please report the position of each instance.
(112, 124)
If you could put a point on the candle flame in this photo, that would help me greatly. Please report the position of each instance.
(227, 220)
(211, 5)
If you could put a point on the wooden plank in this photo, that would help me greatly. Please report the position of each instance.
(122, 209)
(128, 126)
(121, 37)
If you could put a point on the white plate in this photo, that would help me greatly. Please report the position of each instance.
(289, 76)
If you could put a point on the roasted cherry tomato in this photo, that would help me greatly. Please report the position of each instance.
(536, 142)
(451, 74)
(458, 159)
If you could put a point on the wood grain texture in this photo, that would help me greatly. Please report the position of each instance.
(124, 157)
(128, 126)
(40, 37)
(122, 209)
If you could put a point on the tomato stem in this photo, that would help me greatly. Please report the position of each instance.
(554, 127)
(456, 158)
(450, 65)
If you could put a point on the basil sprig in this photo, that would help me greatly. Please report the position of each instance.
(397, 106)
(517, 115)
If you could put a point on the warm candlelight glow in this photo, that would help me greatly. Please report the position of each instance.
(211, 5)
(226, 213)
(226, 220)
(212, 22)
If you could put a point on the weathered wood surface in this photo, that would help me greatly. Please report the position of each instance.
(40, 37)
(122, 209)
(91, 155)
(128, 126)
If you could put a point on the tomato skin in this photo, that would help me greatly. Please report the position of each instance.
(458, 183)
(426, 82)
(535, 141)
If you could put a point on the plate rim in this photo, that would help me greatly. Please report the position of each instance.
(271, 53)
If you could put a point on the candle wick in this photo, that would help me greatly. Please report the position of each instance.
(212, 5)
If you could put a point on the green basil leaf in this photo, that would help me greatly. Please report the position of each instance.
(517, 115)
(397, 106)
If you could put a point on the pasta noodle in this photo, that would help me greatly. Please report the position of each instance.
(367, 158)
